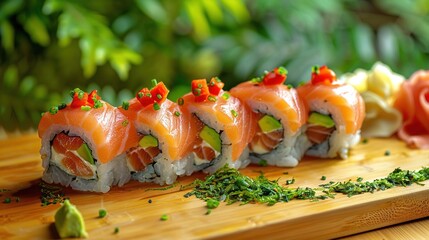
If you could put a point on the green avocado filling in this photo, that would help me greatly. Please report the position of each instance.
(85, 153)
(321, 120)
(268, 124)
(69, 222)
(148, 141)
(211, 137)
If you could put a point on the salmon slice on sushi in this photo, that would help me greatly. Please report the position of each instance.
(84, 143)
(336, 112)
(279, 117)
(166, 135)
(225, 126)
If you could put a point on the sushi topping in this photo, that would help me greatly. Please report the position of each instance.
(156, 95)
(72, 155)
(320, 127)
(275, 77)
(322, 75)
(208, 145)
(84, 100)
(138, 158)
(268, 135)
(204, 91)
(125, 105)
(215, 86)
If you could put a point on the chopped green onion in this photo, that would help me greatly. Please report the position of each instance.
(102, 213)
(53, 110)
(7, 200)
(164, 217)
(212, 98)
(197, 92)
(289, 86)
(85, 108)
(62, 106)
(177, 113)
(387, 153)
(180, 101)
(156, 106)
(212, 203)
(263, 163)
(154, 82)
(125, 123)
(125, 105)
(159, 96)
(282, 70)
(226, 96)
(365, 141)
(97, 103)
(323, 178)
(116, 231)
(290, 181)
(140, 94)
(234, 113)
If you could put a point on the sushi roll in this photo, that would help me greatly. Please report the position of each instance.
(279, 117)
(226, 126)
(84, 143)
(336, 112)
(166, 133)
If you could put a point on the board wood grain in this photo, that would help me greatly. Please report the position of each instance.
(129, 208)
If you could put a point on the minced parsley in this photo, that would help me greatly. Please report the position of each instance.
(102, 213)
(164, 217)
(50, 194)
(229, 185)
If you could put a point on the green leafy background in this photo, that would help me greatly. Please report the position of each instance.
(51, 46)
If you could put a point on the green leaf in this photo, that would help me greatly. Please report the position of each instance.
(213, 10)
(199, 21)
(238, 9)
(7, 36)
(9, 7)
(11, 77)
(34, 26)
(27, 85)
(153, 9)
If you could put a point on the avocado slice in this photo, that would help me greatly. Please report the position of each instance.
(85, 153)
(321, 120)
(268, 124)
(148, 141)
(212, 137)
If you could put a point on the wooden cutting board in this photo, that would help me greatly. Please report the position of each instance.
(129, 209)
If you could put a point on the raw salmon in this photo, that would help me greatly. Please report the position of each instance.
(342, 98)
(107, 129)
(235, 120)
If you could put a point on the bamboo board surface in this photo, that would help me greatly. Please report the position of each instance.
(129, 208)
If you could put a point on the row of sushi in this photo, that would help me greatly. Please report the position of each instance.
(91, 145)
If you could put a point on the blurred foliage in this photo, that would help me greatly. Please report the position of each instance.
(51, 46)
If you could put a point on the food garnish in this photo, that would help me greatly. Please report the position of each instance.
(69, 221)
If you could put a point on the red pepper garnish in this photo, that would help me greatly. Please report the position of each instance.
(275, 77)
(157, 94)
(80, 98)
(200, 90)
(322, 75)
(93, 97)
(215, 86)
(145, 97)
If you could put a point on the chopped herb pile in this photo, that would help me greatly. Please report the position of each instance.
(229, 185)
(396, 178)
(50, 194)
